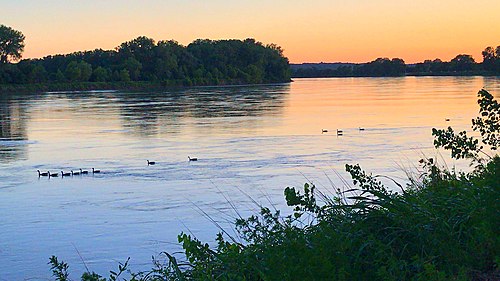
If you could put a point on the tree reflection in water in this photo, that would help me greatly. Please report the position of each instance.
(13, 133)
(150, 114)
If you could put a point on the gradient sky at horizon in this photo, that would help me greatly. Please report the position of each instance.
(308, 31)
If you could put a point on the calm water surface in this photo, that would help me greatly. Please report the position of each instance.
(250, 141)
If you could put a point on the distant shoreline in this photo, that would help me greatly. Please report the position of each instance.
(406, 75)
(123, 86)
(169, 85)
(461, 65)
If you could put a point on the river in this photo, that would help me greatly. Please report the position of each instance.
(251, 142)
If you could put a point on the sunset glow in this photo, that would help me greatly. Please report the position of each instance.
(309, 31)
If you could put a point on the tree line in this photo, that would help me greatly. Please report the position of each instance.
(462, 64)
(203, 62)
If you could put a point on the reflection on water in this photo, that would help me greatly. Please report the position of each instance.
(145, 113)
(13, 134)
(249, 141)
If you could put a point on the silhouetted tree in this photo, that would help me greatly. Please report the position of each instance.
(381, 67)
(11, 44)
(462, 62)
(491, 59)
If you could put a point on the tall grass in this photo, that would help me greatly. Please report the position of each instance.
(443, 225)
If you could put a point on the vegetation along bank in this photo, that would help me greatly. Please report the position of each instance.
(142, 63)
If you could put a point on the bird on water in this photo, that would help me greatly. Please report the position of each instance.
(94, 171)
(324, 131)
(63, 174)
(42, 174)
(340, 132)
(192, 159)
(52, 175)
(151, 162)
(83, 172)
(75, 173)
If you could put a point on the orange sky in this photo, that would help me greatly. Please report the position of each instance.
(309, 31)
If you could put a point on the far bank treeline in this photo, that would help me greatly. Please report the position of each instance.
(163, 63)
(462, 64)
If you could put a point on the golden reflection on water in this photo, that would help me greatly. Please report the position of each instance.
(110, 119)
(384, 102)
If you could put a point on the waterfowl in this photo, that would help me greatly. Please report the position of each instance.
(52, 175)
(447, 119)
(361, 129)
(151, 162)
(192, 159)
(75, 173)
(83, 172)
(63, 174)
(95, 171)
(324, 131)
(339, 132)
(42, 174)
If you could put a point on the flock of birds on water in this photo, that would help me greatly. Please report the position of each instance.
(67, 174)
(150, 163)
(94, 171)
(84, 172)
(340, 132)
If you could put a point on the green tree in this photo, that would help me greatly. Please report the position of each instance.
(124, 75)
(11, 44)
(85, 71)
(133, 67)
(59, 77)
(100, 74)
(38, 74)
(72, 72)
(78, 72)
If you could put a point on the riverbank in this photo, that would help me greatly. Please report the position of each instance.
(124, 86)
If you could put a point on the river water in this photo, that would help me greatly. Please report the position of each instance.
(251, 142)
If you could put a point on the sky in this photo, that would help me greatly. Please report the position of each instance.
(308, 30)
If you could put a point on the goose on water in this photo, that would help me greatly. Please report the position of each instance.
(151, 162)
(75, 173)
(339, 132)
(361, 129)
(94, 171)
(63, 174)
(42, 174)
(52, 175)
(83, 172)
(324, 131)
(192, 159)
